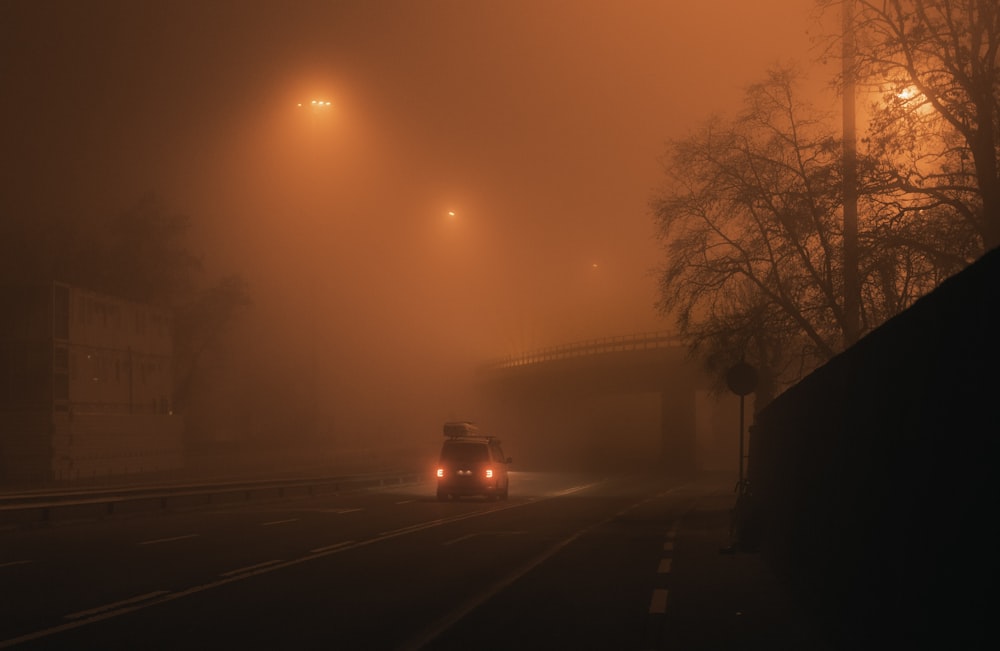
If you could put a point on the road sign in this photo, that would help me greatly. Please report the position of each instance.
(742, 379)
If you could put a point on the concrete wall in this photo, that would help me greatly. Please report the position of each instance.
(42, 447)
(874, 482)
(25, 446)
(85, 386)
(98, 445)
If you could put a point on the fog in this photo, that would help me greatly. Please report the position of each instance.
(477, 187)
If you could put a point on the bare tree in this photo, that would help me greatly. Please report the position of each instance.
(142, 254)
(749, 222)
(752, 224)
(935, 130)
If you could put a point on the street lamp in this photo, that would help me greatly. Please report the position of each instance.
(852, 281)
(316, 107)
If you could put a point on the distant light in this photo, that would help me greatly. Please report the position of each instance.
(594, 266)
(451, 213)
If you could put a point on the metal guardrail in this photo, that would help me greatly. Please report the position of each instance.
(639, 341)
(40, 509)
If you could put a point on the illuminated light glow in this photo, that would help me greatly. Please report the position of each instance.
(593, 266)
(440, 472)
(489, 473)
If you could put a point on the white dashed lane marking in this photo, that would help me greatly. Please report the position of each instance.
(658, 604)
(268, 524)
(157, 541)
(114, 605)
(13, 563)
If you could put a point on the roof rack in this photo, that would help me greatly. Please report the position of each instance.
(460, 429)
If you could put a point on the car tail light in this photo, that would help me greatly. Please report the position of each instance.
(489, 473)
(440, 472)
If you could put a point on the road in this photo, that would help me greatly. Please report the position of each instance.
(569, 561)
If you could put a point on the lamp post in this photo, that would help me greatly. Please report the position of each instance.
(316, 108)
(852, 283)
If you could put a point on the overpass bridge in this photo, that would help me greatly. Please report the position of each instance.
(637, 397)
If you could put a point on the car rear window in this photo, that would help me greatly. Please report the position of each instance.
(455, 451)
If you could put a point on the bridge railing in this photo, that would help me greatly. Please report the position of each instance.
(638, 341)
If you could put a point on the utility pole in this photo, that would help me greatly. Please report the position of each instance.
(852, 283)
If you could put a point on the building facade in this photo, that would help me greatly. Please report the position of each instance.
(85, 386)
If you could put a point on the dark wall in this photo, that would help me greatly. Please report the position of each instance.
(619, 410)
(874, 479)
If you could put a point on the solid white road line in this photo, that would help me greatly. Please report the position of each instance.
(250, 568)
(483, 533)
(268, 524)
(263, 568)
(114, 605)
(320, 550)
(171, 539)
(575, 489)
(13, 563)
(445, 623)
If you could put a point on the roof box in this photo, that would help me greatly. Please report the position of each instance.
(457, 429)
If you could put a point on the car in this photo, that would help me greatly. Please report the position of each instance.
(471, 464)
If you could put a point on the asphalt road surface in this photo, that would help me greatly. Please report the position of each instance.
(568, 562)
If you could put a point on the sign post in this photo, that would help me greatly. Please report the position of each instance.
(741, 380)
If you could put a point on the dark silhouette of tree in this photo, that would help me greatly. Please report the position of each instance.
(141, 254)
(935, 131)
(752, 223)
(200, 324)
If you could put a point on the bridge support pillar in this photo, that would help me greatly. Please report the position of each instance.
(678, 430)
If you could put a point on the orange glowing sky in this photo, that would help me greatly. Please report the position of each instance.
(538, 123)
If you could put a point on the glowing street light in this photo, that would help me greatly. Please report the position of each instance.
(316, 107)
